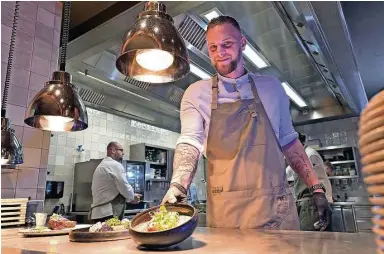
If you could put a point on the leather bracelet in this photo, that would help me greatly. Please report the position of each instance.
(180, 188)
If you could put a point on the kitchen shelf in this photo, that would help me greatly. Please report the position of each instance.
(342, 177)
(326, 148)
(342, 162)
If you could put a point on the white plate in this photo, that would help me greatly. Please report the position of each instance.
(30, 232)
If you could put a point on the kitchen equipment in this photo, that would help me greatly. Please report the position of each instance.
(165, 238)
(54, 189)
(83, 235)
(82, 197)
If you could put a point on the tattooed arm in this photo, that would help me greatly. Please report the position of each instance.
(298, 160)
(185, 164)
(184, 169)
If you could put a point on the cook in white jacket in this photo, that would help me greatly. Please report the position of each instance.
(110, 188)
(307, 212)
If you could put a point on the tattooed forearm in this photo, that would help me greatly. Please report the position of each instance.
(300, 163)
(185, 164)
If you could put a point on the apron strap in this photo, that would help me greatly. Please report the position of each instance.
(215, 91)
(258, 101)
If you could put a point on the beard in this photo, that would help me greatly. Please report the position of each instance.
(226, 69)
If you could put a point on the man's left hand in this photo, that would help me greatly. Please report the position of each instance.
(321, 203)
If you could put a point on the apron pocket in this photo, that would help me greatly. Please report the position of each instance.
(281, 209)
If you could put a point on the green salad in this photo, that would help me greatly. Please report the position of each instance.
(163, 220)
(116, 222)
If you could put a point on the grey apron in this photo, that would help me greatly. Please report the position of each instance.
(246, 180)
(118, 206)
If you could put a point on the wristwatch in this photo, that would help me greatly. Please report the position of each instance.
(317, 187)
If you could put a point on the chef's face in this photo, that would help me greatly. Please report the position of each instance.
(225, 46)
(118, 152)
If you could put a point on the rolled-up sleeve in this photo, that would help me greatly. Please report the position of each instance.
(286, 131)
(192, 122)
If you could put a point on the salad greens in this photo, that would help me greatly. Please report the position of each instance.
(40, 229)
(113, 222)
(55, 216)
(116, 222)
(163, 220)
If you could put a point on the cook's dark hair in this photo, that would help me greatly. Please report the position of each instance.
(302, 138)
(220, 20)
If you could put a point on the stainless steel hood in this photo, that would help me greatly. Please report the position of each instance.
(282, 32)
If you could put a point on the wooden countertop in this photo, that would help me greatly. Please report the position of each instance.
(206, 240)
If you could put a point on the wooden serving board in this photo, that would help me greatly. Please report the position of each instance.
(30, 232)
(83, 235)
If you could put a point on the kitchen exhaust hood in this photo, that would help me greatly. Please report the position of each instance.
(280, 33)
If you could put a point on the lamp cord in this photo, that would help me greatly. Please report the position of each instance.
(10, 60)
(65, 34)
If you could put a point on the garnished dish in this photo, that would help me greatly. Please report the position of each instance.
(161, 220)
(58, 222)
(111, 230)
(113, 224)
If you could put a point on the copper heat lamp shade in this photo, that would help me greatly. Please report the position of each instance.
(58, 106)
(371, 142)
(11, 149)
(153, 30)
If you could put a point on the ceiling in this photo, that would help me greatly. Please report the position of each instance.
(365, 21)
(79, 16)
(283, 32)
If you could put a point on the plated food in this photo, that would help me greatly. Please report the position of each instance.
(162, 219)
(58, 222)
(113, 224)
(163, 226)
(57, 225)
(111, 230)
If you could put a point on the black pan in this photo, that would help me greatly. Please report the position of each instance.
(165, 238)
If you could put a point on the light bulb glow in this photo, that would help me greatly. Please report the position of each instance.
(154, 59)
(153, 78)
(56, 123)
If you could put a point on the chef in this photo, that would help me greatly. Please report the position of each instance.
(241, 122)
(110, 189)
(307, 211)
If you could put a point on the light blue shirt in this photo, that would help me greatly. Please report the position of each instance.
(192, 194)
(195, 109)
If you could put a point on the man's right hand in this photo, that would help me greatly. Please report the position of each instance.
(174, 195)
(136, 198)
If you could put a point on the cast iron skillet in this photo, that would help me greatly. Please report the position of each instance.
(166, 238)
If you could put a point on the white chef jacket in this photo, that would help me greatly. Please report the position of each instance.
(319, 168)
(108, 181)
(195, 108)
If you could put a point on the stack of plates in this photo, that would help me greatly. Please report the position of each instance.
(371, 142)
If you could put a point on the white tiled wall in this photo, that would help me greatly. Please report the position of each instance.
(103, 128)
